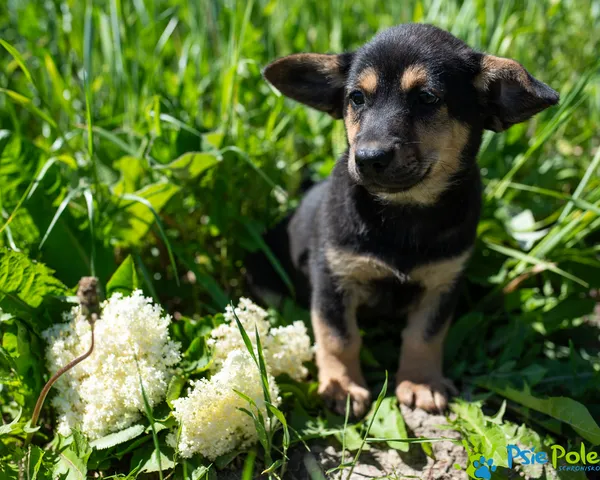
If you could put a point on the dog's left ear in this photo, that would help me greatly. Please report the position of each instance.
(314, 79)
(510, 94)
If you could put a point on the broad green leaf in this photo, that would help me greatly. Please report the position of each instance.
(124, 280)
(117, 438)
(564, 409)
(214, 139)
(69, 466)
(24, 284)
(34, 463)
(138, 217)
(81, 445)
(389, 423)
(25, 349)
(190, 165)
(486, 436)
(7, 366)
(174, 391)
(198, 356)
(149, 461)
(132, 170)
(223, 460)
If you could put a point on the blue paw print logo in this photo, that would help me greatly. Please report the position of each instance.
(483, 468)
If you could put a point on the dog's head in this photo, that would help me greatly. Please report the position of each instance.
(415, 101)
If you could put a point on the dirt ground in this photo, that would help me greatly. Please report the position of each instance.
(389, 463)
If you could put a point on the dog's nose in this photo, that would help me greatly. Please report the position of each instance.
(375, 159)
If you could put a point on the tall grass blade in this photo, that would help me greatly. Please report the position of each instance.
(61, 208)
(150, 417)
(89, 201)
(18, 58)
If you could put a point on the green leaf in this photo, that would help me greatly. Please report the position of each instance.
(12, 426)
(117, 438)
(428, 450)
(132, 170)
(34, 463)
(152, 460)
(389, 423)
(70, 466)
(80, 445)
(198, 356)
(352, 438)
(564, 409)
(200, 472)
(486, 436)
(223, 460)
(192, 164)
(175, 386)
(139, 216)
(124, 280)
(150, 208)
(24, 284)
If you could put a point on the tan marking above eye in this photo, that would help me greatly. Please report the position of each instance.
(413, 76)
(367, 80)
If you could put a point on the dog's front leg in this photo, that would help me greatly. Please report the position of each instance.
(420, 380)
(333, 314)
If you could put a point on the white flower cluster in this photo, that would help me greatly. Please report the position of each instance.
(210, 419)
(284, 348)
(103, 394)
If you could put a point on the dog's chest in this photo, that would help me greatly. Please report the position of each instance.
(359, 271)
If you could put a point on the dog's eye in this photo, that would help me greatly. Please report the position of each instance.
(428, 98)
(357, 98)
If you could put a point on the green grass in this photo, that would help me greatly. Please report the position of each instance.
(102, 103)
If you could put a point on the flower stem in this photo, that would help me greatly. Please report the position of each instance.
(88, 299)
(40, 401)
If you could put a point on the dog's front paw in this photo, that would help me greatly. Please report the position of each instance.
(335, 391)
(431, 396)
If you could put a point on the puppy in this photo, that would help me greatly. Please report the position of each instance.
(390, 231)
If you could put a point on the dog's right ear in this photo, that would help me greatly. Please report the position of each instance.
(314, 79)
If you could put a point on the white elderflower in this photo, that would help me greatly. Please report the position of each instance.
(102, 394)
(210, 419)
(284, 348)
(227, 338)
(289, 348)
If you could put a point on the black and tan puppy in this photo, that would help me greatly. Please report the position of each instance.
(389, 233)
